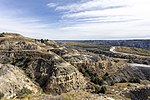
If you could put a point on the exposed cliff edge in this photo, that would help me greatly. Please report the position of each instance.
(52, 73)
(13, 80)
(56, 69)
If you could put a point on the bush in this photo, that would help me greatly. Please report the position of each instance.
(97, 89)
(42, 41)
(23, 92)
(88, 71)
(1, 95)
(102, 89)
(96, 80)
(106, 76)
(82, 70)
(123, 81)
(2, 34)
(5, 61)
(112, 83)
(134, 80)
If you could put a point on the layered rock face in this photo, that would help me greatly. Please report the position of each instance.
(108, 69)
(140, 93)
(52, 73)
(56, 68)
(49, 70)
(65, 78)
(12, 80)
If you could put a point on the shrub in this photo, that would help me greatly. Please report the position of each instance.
(5, 61)
(134, 80)
(106, 76)
(88, 71)
(1, 95)
(123, 81)
(96, 80)
(97, 89)
(82, 70)
(2, 34)
(129, 85)
(112, 83)
(23, 92)
(102, 89)
(42, 41)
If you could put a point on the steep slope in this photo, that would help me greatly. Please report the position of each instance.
(107, 70)
(13, 80)
(60, 69)
(49, 70)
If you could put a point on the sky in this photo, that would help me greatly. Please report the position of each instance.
(77, 19)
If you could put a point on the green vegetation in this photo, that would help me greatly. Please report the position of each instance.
(85, 71)
(112, 83)
(1, 35)
(102, 89)
(24, 92)
(88, 46)
(5, 61)
(93, 77)
(42, 40)
(131, 80)
(96, 80)
(132, 50)
(123, 81)
(134, 80)
(67, 97)
(1, 95)
(106, 76)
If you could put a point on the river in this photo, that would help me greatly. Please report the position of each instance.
(112, 49)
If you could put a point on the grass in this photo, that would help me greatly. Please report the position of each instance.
(88, 46)
(78, 95)
(23, 93)
(133, 50)
(96, 80)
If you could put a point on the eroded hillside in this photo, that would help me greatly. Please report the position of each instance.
(62, 70)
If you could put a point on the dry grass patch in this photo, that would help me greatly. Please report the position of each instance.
(132, 50)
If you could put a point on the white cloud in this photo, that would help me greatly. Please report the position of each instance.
(92, 4)
(97, 8)
(88, 19)
(28, 26)
(94, 10)
(52, 5)
(106, 19)
(98, 31)
(98, 13)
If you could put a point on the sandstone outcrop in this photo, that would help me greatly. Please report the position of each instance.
(12, 80)
(49, 70)
(140, 93)
(59, 69)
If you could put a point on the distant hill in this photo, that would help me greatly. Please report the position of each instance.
(145, 44)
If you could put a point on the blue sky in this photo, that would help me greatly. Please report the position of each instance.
(76, 19)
